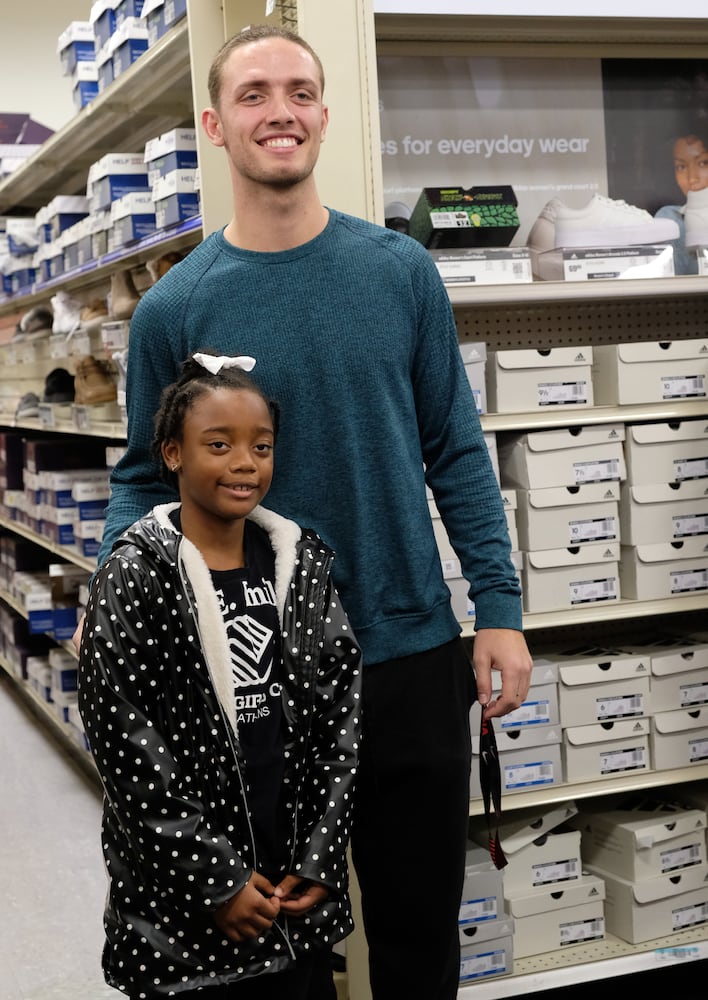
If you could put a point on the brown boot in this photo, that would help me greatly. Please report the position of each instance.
(93, 382)
(124, 295)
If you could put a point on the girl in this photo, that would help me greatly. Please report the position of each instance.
(219, 685)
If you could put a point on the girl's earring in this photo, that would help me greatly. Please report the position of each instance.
(175, 468)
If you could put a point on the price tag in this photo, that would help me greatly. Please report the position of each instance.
(46, 415)
(80, 344)
(82, 417)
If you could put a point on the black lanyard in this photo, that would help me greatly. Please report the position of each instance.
(490, 780)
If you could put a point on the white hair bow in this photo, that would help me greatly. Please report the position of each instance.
(214, 365)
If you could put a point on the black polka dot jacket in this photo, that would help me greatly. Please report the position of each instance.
(157, 700)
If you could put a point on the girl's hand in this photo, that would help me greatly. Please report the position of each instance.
(250, 912)
(298, 895)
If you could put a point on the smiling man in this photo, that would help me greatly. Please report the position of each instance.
(354, 335)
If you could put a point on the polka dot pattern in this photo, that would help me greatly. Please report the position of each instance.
(175, 833)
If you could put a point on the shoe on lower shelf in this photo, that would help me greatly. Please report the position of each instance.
(28, 406)
(93, 382)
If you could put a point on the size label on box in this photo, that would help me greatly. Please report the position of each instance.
(590, 591)
(529, 714)
(683, 387)
(596, 529)
(562, 393)
(526, 775)
(612, 761)
(689, 916)
(690, 524)
(619, 707)
(555, 871)
(686, 580)
(473, 911)
(576, 931)
(680, 857)
(693, 694)
(597, 471)
(698, 749)
(490, 963)
(690, 468)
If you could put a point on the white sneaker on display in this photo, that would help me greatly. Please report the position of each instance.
(603, 222)
(696, 218)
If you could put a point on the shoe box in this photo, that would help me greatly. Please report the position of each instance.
(601, 685)
(175, 197)
(607, 749)
(680, 738)
(538, 380)
(650, 372)
(474, 357)
(132, 218)
(668, 512)
(171, 151)
(529, 757)
(679, 671)
(113, 176)
(565, 578)
(665, 569)
(129, 40)
(566, 456)
(540, 706)
(76, 44)
(557, 917)
(666, 451)
(102, 18)
(564, 516)
(485, 929)
(651, 856)
(464, 217)
(160, 15)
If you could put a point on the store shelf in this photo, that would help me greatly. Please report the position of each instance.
(151, 96)
(110, 429)
(538, 292)
(63, 551)
(575, 417)
(590, 963)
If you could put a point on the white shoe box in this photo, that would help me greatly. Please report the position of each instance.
(565, 456)
(520, 827)
(490, 954)
(666, 569)
(601, 685)
(679, 670)
(474, 357)
(510, 502)
(557, 579)
(657, 907)
(529, 757)
(639, 844)
(482, 894)
(568, 515)
(552, 859)
(663, 512)
(650, 372)
(666, 451)
(554, 917)
(521, 381)
(539, 708)
(680, 738)
(606, 749)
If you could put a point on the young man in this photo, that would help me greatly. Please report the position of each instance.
(354, 335)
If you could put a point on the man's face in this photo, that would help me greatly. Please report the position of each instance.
(691, 164)
(270, 118)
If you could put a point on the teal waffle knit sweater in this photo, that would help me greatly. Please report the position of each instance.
(354, 335)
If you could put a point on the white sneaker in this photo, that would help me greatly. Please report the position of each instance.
(696, 218)
(601, 223)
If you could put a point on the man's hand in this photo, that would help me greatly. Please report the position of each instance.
(502, 649)
(298, 895)
(76, 637)
(250, 912)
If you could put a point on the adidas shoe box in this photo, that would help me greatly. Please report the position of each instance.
(650, 372)
(532, 380)
(601, 685)
(679, 672)
(666, 451)
(474, 357)
(529, 757)
(490, 953)
(680, 738)
(482, 894)
(557, 916)
(606, 749)
(568, 515)
(557, 579)
(654, 839)
(552, 859)
(663, 512)
(566, 456)
(540, 707)
(664, 570)
(656, 907)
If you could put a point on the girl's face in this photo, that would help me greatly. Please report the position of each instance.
(690, 163)
(225, 457)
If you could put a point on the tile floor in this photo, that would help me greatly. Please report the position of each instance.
(52, 882)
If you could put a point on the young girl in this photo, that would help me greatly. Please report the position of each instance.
(219, 685)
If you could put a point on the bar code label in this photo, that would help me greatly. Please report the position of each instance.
(529, 714)
(690, 468)
(555, 871)
(686, 580)
(613, 761)
(690, 524)
(598, 471)
(490, 963)
(528, 775)
(693, 694)
(589, 591)
(680, 857)
(473, 911)
(683, 387)
(619, 707)
(689, 916)
(577, 931)
(562, 393)
(698, 749)
(596, 529)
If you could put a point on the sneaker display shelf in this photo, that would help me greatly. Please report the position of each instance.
(161, 90)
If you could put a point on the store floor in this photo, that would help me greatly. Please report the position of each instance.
(52, 882)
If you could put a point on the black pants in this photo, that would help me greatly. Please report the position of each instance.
(411, 819)
(311, 979)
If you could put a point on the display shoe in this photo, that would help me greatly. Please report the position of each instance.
(92, 315)
(28, 406)
(58, 387)
(67, 314)
(123, 296)
(35, 324)
(603, 222)
(696, 218)
(93, 383)
(161, 265)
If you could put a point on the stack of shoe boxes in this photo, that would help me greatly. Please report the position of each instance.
(603, 698)
(528, 739)
(651, 856)
(160, 15)
(567, 486)
(63, 682)
(77, 52)
(528, 381)
(553, 902)
(171, 161)
(485, 929)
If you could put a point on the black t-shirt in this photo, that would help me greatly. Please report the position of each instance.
(248, 603)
